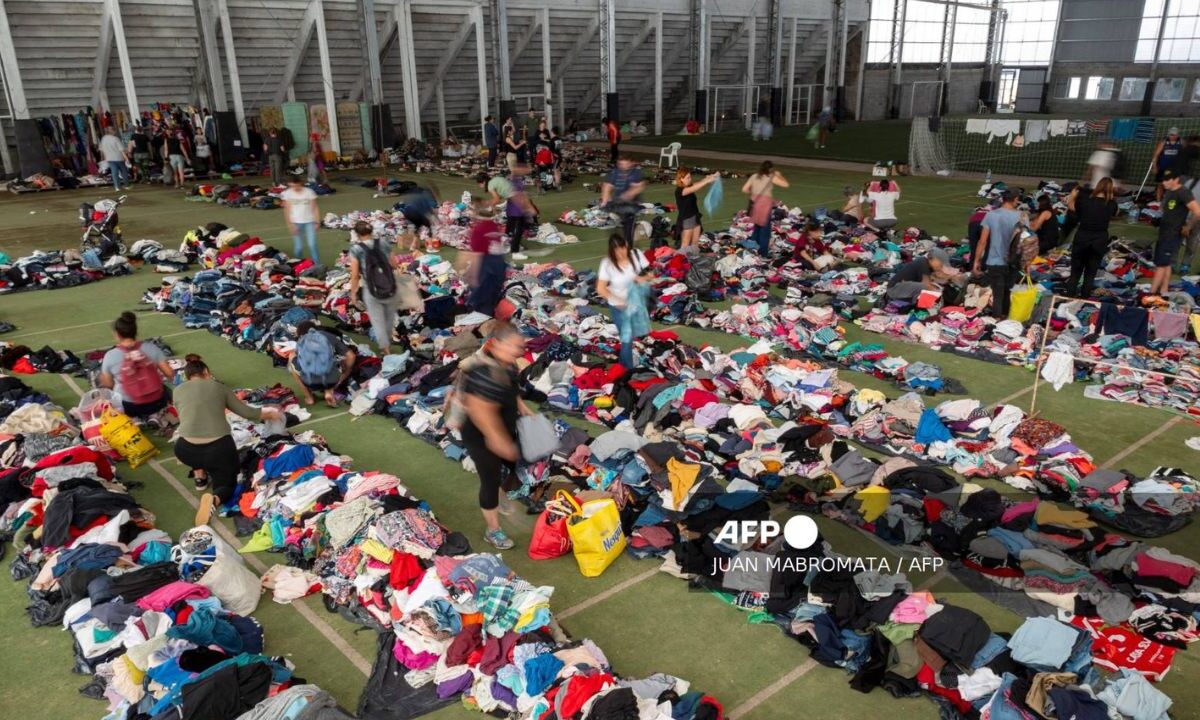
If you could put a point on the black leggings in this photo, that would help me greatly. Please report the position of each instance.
(491, 469)
(219, 459)
(516, 226)
(1087, 252)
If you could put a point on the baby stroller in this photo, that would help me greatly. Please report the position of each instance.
(101, 233)
(544, 161)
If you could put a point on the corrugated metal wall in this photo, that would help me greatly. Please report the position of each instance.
(56, 43)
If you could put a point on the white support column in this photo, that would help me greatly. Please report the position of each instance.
(207, 17)
(501, 10)
(845, 12)
(480, 63)
(374, 74)
(831, 31)
(103, 60)
(327, 78)
(607, 13)
(705, 43)
(547, 73)
(113, 8)
(408, 68)
(562, 107)
(12, 72)
(791, 74)
(863, 44)
(235, 78)
(440, 99)
(658, 88)
(748, 94)
(777, 60)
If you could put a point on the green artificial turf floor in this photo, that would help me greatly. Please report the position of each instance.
(644, 620)
(868, 142)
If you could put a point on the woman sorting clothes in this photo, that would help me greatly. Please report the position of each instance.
(135, 371)
(203, 441)
(686, 200)
(761, 189)
(490, 397)
(621, 282)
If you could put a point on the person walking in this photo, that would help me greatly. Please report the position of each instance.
(135, 371)
(991, 253)
(1045, 224)
(620, 271)
(491, 140)
(519, 210)
(316, 160)
(621, 193)
(276, 151)
(300, 208)
(381, 308)
(530, 135)
(1168, 155)
(1095, 209)
(112, 151)
(826, 123)
(203, 440)
(482, 264)
(203, 155)
(686, 201)
(176, 156)
(761, 189)
(490, 395)
(1177, 204)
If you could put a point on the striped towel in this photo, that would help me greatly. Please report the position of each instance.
(1144, 133)
(1097, 126)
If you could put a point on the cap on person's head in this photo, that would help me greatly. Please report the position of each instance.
(1169, 174)
(940, 255)
(1173, 131)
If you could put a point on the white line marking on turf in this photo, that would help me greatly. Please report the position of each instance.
(596, 599)
(1137, 445)
(356, 659)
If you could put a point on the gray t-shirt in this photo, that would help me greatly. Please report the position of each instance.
(111, 363)
(1000, 224)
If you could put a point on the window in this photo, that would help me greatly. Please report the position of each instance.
(1133, 89)
(1067, 88)
(1196, 92)
(1181, 35)
(1098, 88)
(1029, 33)
(1169, 90)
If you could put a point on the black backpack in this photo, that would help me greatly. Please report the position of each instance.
(378, 272)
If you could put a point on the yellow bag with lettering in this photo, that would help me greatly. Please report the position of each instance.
(596, 535)
(124, 436)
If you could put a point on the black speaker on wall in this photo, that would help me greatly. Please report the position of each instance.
(383, 130)
(508, 109)
(776, 106)
(31, 151)
(701, 113)
(612, 106)
(229, 141)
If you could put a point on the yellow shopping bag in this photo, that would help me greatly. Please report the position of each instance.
(124, 436)
(596, 535)
(1022, 302)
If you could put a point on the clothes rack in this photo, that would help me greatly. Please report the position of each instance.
(1041, 358)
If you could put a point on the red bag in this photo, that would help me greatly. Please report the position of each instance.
(550, 538)
(141, 382)
(760, 209)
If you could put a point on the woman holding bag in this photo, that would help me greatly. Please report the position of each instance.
(761, 189)
(490, 398)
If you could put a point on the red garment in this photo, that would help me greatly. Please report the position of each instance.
(1150, 566)
(641, 385)
(74, 532)
(1117, 646)
(483, 233)
(405, 570)
(74, 456)
(665, 335)
(696, 399)
(933, 509)
(928, 682)
(579, 689)
(614, 133)
(24, 367)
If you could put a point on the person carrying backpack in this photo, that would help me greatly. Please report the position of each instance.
(135, 371)
(322, 362)
(373, 268)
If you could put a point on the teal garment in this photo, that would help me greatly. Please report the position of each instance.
(204, 628)
(671, 394)
(714, 198)
(155, 552)
(638, 300)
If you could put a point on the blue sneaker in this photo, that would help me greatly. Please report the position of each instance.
(498, 539)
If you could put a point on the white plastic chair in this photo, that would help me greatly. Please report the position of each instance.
(671, 154)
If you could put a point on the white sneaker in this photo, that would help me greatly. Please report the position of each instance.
(1193, 443)
(519, 256)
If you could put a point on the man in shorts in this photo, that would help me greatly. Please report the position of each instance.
(1177, 203)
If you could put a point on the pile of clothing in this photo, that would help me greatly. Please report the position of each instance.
(162, 627)
(24, 360)
(56, 269)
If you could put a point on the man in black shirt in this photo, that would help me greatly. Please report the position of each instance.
(139, 148)
(1177, 203)
(911, 278)
(275, 151)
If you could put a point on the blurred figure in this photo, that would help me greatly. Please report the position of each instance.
(519, 209)
(483, 264)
